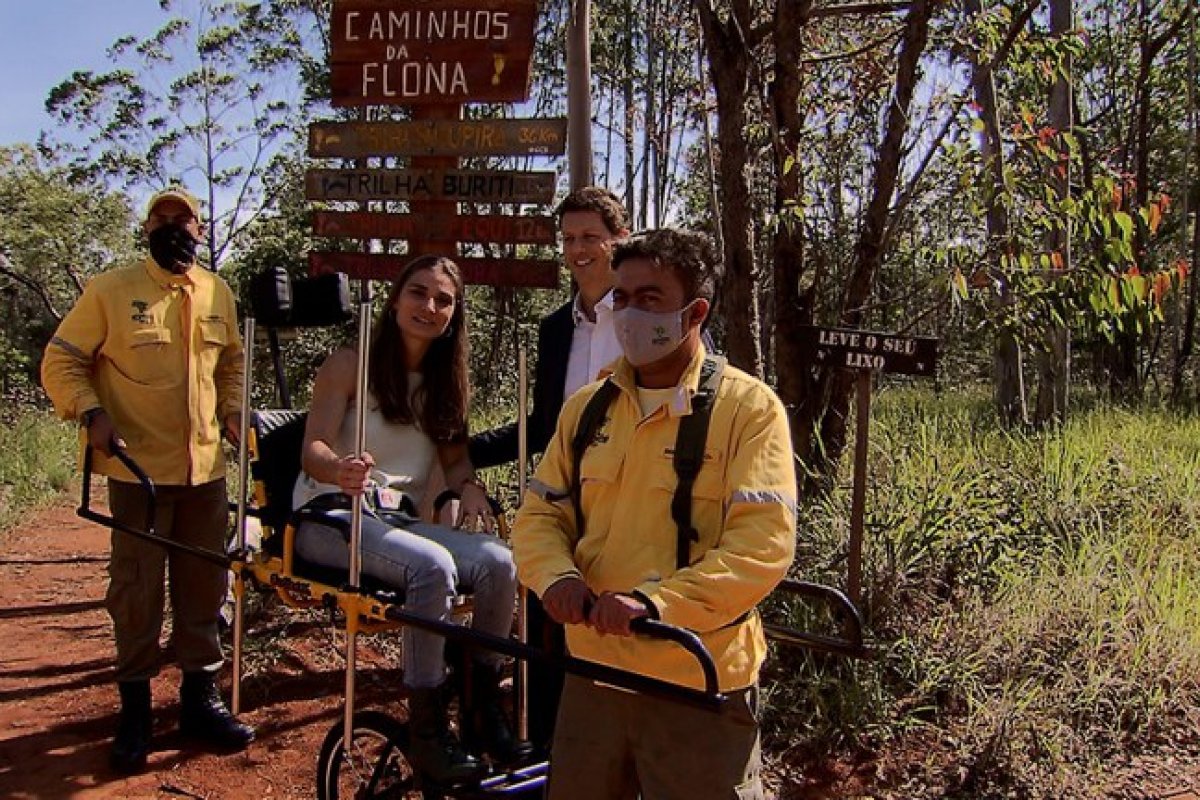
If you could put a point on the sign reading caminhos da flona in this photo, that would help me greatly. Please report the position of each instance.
(434, 51)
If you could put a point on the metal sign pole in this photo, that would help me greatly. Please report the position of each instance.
(522, 593)
(859, 496)
(360, 437)
(239, 581)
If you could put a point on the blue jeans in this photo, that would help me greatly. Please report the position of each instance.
(427, 562)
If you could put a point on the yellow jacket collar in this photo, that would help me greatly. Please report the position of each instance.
(167, 279)
(689, 383)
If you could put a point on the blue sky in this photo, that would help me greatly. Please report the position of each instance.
(44, 41)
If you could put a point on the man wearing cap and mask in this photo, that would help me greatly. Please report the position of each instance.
(603, 540)
(149, 360)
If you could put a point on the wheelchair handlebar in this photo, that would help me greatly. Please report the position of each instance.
(849, 642)
(688, 640)
(85, 508)
(710, 698)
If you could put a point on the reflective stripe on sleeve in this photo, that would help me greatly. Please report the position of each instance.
(548, 493)
(70, 348)
(765, 497)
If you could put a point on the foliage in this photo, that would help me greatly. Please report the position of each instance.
(37, 462)
(54, 235)
(1031, 598)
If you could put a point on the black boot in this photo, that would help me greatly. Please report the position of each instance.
(490, 728)
(203, 715)
(434, 751)
(132, 742)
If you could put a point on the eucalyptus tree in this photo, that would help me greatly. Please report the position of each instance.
(207, 101)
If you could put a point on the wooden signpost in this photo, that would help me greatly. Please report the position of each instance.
(433, 56)
(431, 52)
(867, 352)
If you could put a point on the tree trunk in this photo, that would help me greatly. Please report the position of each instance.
(1007, 376)
(1054, 362)
(729, 67)
(869, 250)
(797, 385)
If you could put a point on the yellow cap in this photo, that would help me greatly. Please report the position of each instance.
(174, 194)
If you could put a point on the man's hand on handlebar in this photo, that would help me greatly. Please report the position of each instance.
(567, 601)
(613, 612)
(102, 436)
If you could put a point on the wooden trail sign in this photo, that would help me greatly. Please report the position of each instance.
(866, 352)
(491, 271)
(436, 227)
(432, 51)
(884, 352)
(485, 137)
(471, 186)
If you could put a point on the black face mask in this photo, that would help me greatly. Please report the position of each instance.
(173, 248)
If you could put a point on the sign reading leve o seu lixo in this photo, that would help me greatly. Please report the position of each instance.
(435, 51)
(871, 350)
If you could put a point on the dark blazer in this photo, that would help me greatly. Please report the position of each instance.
(499, 446)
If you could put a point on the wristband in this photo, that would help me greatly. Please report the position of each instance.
(472, 481)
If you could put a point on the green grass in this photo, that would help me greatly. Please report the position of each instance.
(37, 463)
(1033, 598)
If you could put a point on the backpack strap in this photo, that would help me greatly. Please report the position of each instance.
(688, 458)
(585, 433)
(689, 455)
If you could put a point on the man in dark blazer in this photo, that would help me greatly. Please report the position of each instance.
(575, 342)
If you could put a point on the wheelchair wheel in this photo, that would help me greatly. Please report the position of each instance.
(373, 767)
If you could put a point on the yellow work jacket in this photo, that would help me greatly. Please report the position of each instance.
(743, 506)
(162, 355)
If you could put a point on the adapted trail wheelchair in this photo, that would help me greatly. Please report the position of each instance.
(364, 755)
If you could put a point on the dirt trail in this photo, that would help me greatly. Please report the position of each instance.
(58, 703)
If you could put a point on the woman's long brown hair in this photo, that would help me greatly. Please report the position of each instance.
(440, 404)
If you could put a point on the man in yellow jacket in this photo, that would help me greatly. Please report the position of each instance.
(626, 562)
(150, 360)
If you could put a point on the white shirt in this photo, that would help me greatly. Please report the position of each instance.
(404, 454)
(594, 345)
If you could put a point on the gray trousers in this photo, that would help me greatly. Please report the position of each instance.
(194, 515)
(427, 562)
(611, 744)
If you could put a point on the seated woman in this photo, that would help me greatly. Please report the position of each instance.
(416, 410)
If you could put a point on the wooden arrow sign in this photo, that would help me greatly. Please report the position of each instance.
(429, 184)
(510, 229)
(458, 137)
(490, 271)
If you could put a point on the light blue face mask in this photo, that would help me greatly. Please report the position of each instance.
(647, 336)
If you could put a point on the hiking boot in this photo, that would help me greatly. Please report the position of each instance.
(203, 715)
(491, 731)
(434, 751)
(131, 745)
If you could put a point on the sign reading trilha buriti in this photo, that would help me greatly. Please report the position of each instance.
(885, 352)
(430, 184)
(431, 51)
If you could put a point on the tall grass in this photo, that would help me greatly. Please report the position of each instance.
(1032, 598)
(37, 462)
